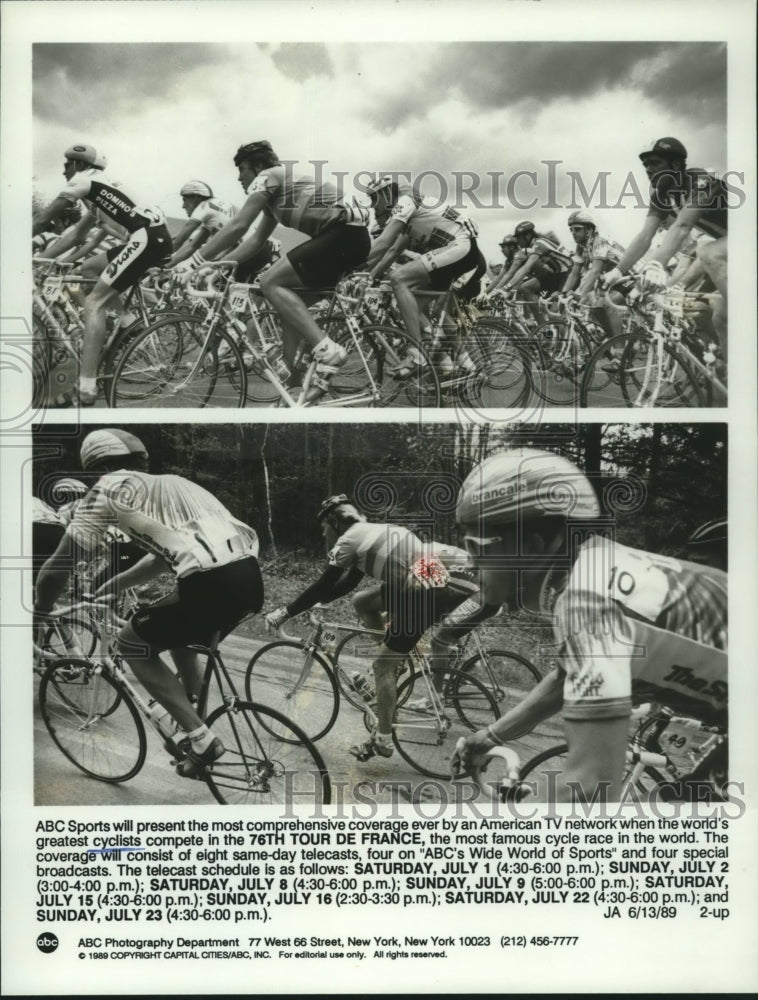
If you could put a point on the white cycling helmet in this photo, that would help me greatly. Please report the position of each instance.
(112, 442)
(521, 484)
(67, 490)
(200, 188)
(582, 218)
(86, 153)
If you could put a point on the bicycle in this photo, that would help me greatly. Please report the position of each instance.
(96, 717)
(425, 728)
(649, 764)
(662, 359)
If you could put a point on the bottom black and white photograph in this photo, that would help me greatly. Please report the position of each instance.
(353, 615)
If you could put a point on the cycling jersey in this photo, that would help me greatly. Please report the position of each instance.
(42, 513)
(631, 621)
(428, 230)
(168, 516)
(114, 207)
(382, 551)
(547, 248)
(600, 248)
(213, 214)
(299, 202)
(670, 193)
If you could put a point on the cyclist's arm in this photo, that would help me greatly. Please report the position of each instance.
(45, 216)
(542, 702)
(677, 234)
(572, 280)
(524, 271)
(503, 278)
(141, 572)
(641, 243)
(318, 592)
(596, 757)
(590, 279)
(255, 243)
(236, 228)
(187, 247)
(347, 582)
(184, 233)
(72, 238)
(387, 248)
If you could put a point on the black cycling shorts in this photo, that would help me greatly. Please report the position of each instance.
(46, 537)
(441, 278)
(551, 281)
(210, 601)
(322, 261)
(248, 269)
(145, 248)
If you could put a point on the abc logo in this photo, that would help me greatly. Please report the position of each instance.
(47, 942)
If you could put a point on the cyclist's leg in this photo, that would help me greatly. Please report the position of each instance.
(713, 256)
(369, 605)
(406, 280)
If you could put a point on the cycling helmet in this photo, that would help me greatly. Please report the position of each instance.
(254, 150)
(523, 228)
(668, 148)
(67, 490)
(508, 241)
(710, 533)
(524, 483)
(200, 188)
(582, 218)
(85, 153)
(111, 442)
(384, 183)
(339, 508)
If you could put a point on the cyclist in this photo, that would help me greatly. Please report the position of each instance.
(418, 584)
(145, 243)
(182, 527)
(593, 256)
(205, 216)
(515, 258)
(708, 544)
(47, 531)
(627, 622)
(545, 268)
(338, 241)
(687, 198)
(446, 246)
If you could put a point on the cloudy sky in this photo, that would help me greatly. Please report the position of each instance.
(164, 113)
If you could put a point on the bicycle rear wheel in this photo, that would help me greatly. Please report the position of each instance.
(546, 769)
(268, 759)
(354, 669)
(503, 363)
(296, 681)
(169, 366)
(426, 737)
(70, 637)
(508, 676)
(91, 721)
(420, 388)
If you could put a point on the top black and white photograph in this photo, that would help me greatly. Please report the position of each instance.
(466, 225)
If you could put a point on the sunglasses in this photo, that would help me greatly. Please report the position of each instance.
(481, 547)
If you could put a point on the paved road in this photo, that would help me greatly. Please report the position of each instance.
(58, 782)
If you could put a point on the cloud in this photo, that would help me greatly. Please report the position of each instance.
(300, 61)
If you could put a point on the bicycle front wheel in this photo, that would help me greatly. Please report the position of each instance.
(70, 637)
(420, 387)
(298, 682)
(506, 675)
(268, 759)
(636, 370)
(169, 366)
(91, 721)
(435, 709)
(502, 366)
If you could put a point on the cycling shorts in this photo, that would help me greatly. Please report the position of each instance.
(209, 601)
(447, 263)
(322, 261)
(463, 619)
(46, 537)
(413, 612)
(248, 269)
(127, 263)
(551, 281)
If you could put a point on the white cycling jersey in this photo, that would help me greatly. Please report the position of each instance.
(168, 516)
(213, 214)
(43, 514)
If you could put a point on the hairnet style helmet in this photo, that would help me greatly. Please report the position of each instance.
(668, 147)
(199, 188)
(521, 484)
(523, 228)
(66, 490)
(582, 218)
(508, 241)
(111, 442)
(86, 153)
